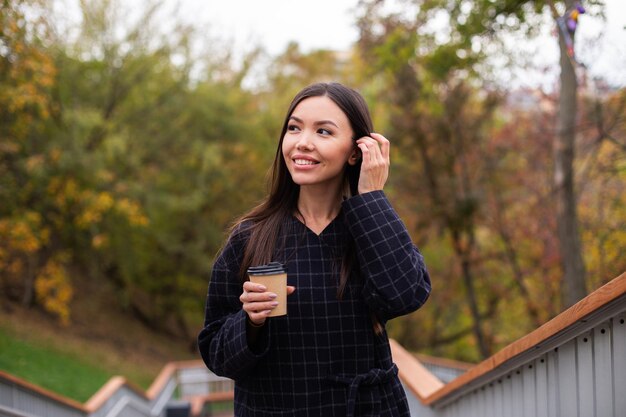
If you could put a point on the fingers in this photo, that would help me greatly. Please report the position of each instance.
(258, 318)
(384, 144)
(258, 303)
(252, 287)
(368, 148)
(374, 148)
(255, 297)
(375, 166)
(260, 307)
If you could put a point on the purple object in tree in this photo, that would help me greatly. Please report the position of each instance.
(571, 24)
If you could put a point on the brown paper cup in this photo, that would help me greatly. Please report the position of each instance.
(274, 277)
(278, 285)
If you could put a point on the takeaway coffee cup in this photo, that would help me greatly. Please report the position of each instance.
(274, 277)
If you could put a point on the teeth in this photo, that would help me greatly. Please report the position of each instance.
(304, 162)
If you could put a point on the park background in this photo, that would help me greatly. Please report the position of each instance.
(133, 134)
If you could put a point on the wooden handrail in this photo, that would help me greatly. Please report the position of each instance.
(443, 362)
(117, 382)
(415, 376)
(597, 299)
(43, 392)
(197, 401)
(166, 373)
(161, 380)
(103, 394)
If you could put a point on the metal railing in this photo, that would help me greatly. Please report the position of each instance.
(574, 365)
(178, 382)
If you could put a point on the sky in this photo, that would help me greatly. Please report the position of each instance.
(330, 24)
(327, 24)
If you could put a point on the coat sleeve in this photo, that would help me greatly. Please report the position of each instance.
(396, 281)
(223, 342)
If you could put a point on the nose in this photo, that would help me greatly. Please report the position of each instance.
(304, 141)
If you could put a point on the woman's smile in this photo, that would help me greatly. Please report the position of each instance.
(304, 162)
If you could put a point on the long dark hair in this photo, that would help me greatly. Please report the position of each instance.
(265, 220)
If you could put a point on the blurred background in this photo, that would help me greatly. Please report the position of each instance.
(133, 133)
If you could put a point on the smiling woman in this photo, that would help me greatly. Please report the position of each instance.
(351, 267)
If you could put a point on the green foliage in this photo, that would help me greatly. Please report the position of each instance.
(129, 171)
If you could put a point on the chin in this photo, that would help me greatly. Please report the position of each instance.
(301, 182)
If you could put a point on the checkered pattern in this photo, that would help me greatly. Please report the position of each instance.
(323, 358)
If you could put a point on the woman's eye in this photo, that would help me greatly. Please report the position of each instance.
(292, 128)
(324, 132)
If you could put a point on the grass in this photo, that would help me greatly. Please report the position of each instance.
(75, 361)
(55, 370)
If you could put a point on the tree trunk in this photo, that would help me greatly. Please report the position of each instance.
(573, 284)
(472, 299)
(510, 254)
(518, 277)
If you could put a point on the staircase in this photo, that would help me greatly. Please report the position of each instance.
(182, 389)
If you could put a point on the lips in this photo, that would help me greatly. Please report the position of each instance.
(303, 161)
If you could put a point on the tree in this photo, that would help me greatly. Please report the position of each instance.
(573, 287)
(419, 68)
(167, 150)
(31, 270)
(117, 166)
(439, 124)
(603, 181)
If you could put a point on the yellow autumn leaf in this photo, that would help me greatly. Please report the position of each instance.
(54, 290)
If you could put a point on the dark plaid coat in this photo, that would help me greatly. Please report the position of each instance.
(323, 358)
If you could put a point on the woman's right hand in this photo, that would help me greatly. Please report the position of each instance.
(258, 303)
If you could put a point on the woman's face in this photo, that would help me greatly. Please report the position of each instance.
(318, 143)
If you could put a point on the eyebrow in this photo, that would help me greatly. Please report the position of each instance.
(317, 123)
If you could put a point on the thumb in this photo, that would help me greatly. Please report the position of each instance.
(290, 289)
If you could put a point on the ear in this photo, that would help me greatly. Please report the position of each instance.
(354, 156)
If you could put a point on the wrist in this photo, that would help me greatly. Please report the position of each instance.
(369, 190)
(253, 324)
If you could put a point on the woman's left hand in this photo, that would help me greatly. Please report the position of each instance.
(375, 165)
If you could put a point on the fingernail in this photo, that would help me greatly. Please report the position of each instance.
(261, 288)
(274, 304)
(267, 312)
(272, 295)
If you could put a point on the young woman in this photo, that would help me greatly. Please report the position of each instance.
(351, 267)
